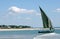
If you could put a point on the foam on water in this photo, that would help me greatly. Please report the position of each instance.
(48, 36)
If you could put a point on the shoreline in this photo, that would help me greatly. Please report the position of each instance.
(24, 29)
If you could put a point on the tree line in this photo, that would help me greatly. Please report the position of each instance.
(13, 26)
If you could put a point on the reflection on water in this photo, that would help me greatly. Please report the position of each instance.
(16, 36)
(23, 34)
(43, 36)
(48, 36)
(29, 35)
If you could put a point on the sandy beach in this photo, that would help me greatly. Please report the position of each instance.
(24, 29)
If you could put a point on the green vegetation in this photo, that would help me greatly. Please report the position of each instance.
(13, 26)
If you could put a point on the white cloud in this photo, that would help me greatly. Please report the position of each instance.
(15, 9)
(57, 10)
(38, 14)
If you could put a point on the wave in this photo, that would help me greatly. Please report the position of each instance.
(48, 36)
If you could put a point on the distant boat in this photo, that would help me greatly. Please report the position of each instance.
(46, 23)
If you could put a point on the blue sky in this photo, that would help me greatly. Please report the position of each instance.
(26, 12)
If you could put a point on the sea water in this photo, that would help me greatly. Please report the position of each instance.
(29, 35)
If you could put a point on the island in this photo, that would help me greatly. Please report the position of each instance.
(14, 26)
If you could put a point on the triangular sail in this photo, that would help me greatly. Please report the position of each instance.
(46, 20)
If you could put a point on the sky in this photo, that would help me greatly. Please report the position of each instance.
(26, 12)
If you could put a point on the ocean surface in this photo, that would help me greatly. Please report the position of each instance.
(29, 35)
